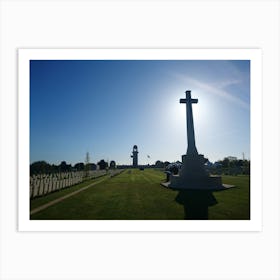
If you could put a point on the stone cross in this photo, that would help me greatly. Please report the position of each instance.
(190, 129)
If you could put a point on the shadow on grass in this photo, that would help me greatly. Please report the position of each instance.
(196, 203)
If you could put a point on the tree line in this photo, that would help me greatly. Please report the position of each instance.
(225, 166)
(231, 167)
(43, 167)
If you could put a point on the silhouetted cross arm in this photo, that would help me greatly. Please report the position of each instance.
(190, 128)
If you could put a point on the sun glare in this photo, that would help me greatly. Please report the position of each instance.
(200, 112)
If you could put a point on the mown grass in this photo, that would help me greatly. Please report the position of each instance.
(38, 201)
(233, 204)
(137, 195)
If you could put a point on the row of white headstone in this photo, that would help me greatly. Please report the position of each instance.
(46, 183)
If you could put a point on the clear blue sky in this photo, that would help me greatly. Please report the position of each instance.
(106, 107)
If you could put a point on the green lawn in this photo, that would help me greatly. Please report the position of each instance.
(233, 204)
(138, 195)
(52, 196)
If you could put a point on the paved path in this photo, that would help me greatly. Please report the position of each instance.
(44, 206)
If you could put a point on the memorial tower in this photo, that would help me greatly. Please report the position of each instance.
(134, 156)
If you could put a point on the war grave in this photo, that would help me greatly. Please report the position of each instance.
(138, 193)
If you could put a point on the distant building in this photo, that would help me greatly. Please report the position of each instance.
(231, 158)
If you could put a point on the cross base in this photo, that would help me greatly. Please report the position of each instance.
(197, 187)
(193, 176)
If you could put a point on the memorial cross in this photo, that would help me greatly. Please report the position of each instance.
(190, 128)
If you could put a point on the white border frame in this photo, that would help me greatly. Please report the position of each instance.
(254, 55)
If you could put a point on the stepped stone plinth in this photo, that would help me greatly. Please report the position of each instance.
(193, 176)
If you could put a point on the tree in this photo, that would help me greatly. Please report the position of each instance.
(79, 166)
(159, 164)
(54, 168)
(112, 164)
(40, 167)
(166, 163)
(246, 167)
(102, 164)
(64, 167)
(225, 163)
